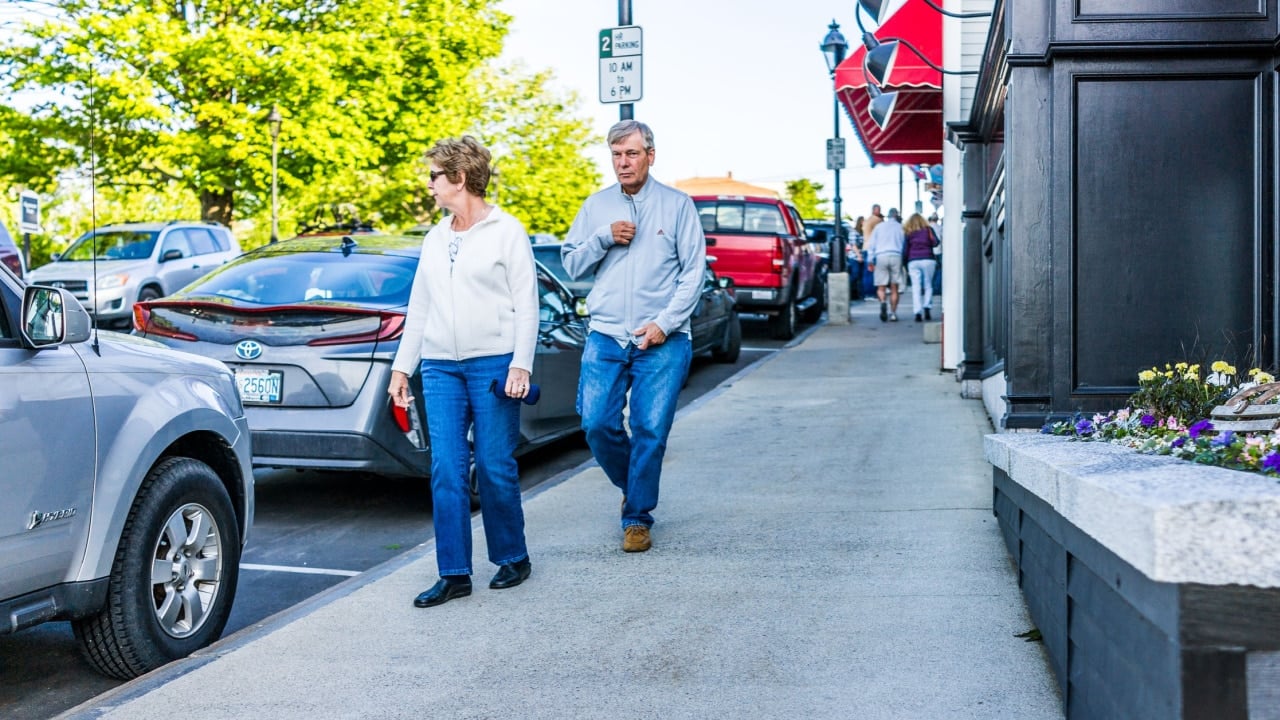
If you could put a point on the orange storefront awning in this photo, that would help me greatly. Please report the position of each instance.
(914, 132)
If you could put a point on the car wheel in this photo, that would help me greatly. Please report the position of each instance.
(783, 325)
(148, 293)
(473, 477)
(732, 344)
(814, 312)
(174, 575)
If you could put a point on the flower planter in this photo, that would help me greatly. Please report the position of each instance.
(1155, 582)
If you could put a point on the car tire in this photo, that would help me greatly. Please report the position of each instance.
(732, 347)
(182, 516)
(473, 476)
(814, 312)
(148, 293)
(783, 325)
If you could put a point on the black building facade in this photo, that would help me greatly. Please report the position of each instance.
(1121, 198)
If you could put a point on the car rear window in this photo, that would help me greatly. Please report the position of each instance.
(736, 216)
(312, 277)
(113, 245)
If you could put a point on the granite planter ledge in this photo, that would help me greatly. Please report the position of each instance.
(1155, 582)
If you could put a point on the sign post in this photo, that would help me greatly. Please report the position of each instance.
(835, 153)
(28, 221)
(621, 74)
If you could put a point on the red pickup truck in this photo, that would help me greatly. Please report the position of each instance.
(760, 242)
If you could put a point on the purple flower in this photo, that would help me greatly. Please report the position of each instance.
(1197, 429)
(1271, 463)
(1178, 441)
(1147, 420)
(1084, 427)
(1224, 439)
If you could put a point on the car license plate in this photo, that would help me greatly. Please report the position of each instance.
(260, 386)
(762, 294)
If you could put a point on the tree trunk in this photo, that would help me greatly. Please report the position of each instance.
(217, 205)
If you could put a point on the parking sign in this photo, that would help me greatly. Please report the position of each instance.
(29, 213)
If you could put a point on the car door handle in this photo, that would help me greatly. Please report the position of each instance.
(711, 242)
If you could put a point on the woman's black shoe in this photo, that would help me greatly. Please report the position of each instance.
(511, 575)
(443, 591)
(918, 318)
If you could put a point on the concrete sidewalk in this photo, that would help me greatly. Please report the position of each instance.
(824, 548)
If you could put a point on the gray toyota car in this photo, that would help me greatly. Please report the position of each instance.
(310, 327)
(126, 494)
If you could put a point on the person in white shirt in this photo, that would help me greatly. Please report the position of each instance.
(472, 324)
(884, 253)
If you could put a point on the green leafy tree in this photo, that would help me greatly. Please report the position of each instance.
(159, 95)
(803, 193)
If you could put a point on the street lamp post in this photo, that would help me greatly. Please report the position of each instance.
(833, 49)
(274, 120)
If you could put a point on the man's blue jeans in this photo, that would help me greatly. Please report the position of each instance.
(456, 394)
(654, 377)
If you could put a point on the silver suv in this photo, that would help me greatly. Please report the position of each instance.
(127, 489)
(136, 261)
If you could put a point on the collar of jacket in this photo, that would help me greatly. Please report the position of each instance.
(645, 190)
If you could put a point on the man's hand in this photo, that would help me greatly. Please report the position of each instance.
(650, 335)
(623, 232)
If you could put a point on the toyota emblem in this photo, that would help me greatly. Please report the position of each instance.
(248, 349)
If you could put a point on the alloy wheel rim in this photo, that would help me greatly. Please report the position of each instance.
(186, 570)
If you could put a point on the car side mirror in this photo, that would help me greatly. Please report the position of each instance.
(580, 308)
(171, 254)
(724, 282)
(52, 316)
(55, 257)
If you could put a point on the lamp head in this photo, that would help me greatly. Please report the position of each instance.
(834, 46)
(879, 60)
(881, 105)
(274, 119)
(877, 9)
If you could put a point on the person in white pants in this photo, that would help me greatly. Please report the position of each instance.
(921, 264)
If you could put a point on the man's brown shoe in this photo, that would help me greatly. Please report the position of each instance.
(635, 539)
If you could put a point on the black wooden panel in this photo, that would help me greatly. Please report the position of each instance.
(1007, 514)
(1156, 280)
(1230, 615)
(1214, 687)
(1151, 10)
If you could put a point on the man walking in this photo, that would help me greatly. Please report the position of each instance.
(884, 250)
(645, 244)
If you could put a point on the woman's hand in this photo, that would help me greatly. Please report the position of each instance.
(399, 389)
(517, 383)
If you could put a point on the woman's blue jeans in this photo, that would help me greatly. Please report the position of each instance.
(654, 377)
(456, 395)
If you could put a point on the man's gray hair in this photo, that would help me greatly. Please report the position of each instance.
(622, 130)
(893, 213)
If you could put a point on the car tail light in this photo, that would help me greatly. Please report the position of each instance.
(401, 416)
(390, 327)
(142, 322)
(779, 258)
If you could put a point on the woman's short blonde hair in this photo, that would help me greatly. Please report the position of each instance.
(463, 157)
(914, 223)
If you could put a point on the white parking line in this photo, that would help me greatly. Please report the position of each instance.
(299, 570)
(751, 348)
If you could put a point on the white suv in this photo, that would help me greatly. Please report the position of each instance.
(136, 261)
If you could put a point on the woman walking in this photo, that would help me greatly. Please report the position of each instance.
(472, 322)
(921, 264)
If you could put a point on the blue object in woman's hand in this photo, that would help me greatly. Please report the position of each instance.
(499, 389)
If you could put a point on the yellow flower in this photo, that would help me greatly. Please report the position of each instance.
(1194, 368)
(1219, 366)
(1146, 376)
(1231, 369)
(1168, 374)
(1180, 366)
(1254, 371)
(1191, 376)
(1263, 377)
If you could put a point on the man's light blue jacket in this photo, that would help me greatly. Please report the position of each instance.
(657, 277)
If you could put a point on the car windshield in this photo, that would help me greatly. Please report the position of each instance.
(113, 245)
(549, 255)
(275, 279)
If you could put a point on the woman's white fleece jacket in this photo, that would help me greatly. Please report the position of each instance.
(485, 304)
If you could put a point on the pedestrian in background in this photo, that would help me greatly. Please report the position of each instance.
(869, 225)
(645, 244)
(921, 264)
(856, 260)
(472, 321)
(884, 251)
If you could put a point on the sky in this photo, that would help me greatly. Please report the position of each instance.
(735, 86)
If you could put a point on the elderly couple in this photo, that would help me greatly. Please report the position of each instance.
(645, 244)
